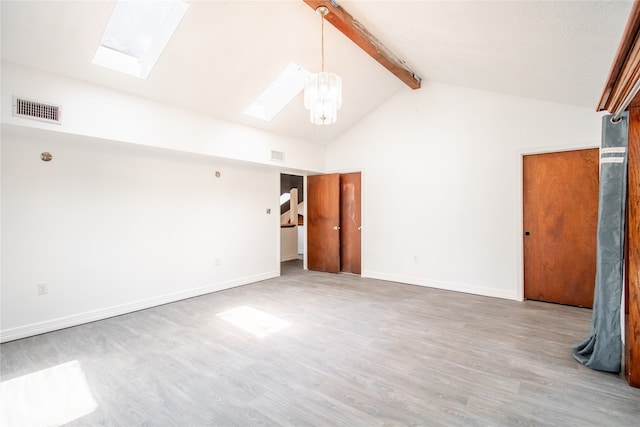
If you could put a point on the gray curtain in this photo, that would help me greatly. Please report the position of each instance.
(603, 349)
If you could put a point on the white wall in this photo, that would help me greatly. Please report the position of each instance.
(442, 186)
(116, 227)
(302, 232)
(113, 228)
(129, 213)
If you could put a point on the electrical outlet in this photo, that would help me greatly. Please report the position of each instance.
(217, 262)
(416, 258)
(42, 288)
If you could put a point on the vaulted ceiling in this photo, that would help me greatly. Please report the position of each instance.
(225, 53)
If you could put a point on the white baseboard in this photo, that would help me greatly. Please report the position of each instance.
(457, 287)
(104, 313)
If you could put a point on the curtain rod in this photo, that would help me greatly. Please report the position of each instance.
(626, 102)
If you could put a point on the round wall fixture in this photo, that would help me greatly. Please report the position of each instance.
(46, 156)
(218, 174)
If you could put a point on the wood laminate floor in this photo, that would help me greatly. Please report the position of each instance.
(357, 352)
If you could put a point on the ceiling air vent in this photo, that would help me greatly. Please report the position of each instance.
(277, 155)
(35, 110)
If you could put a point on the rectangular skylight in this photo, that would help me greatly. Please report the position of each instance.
(288, 84)
(137, 33)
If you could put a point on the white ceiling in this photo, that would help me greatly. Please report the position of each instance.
(225, 53)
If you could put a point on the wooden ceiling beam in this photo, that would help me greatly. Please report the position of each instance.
(357, 33)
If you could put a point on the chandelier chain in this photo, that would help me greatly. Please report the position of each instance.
(322, 39)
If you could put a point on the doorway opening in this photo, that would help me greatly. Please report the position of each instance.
(292, 221)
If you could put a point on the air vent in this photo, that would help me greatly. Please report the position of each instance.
(35, 110)
(277, 155)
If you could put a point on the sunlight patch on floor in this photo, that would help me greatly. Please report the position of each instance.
(258, 322)
(50, 397)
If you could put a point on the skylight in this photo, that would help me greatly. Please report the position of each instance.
(279, 93)
(137, 33)
(284, 198)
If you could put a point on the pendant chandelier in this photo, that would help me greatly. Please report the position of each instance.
(323, 91)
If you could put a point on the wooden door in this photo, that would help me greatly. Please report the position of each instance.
(560, 202)
(323, 223)
(350, 223)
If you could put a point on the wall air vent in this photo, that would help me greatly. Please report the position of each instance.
(277, 155)
(35, 110)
